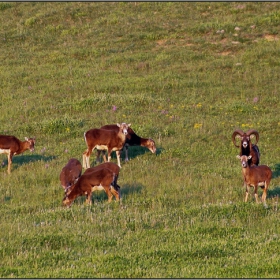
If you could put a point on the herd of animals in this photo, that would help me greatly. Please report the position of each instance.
(115, 137)
(254, 175)
(118, 137)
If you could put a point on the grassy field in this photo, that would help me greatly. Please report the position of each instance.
(186, 74)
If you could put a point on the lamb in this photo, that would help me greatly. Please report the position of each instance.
(255, 176)
(246, 146)
(132, 139)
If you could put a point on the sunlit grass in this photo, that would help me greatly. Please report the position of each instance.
(185, 74)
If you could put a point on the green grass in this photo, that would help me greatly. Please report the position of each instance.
(180, 73)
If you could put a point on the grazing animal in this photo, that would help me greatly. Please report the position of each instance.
(11, 146)
(104, 139)
(255, 176)
(111, 166)
(246, 146)
(102, 179)
(108, 165)
(132, 139)
(70, 173)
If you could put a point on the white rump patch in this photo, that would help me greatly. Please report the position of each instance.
(4, 151)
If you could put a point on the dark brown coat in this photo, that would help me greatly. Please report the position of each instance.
(246, 146)
(70, 173)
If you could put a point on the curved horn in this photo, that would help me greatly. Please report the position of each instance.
(236, 132)
(254, 132)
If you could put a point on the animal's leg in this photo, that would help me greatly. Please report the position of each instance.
(126, 152)
(118, 158)
(264, 193)
(104, 156)
(246, 193)
(98, 156)
(10, 156)
(88, 153)
(109, 155)
(256, 194)
(115, 193)
(88, 164)
(87, 157)
(88, 201)
(109, 194)
(85, 160)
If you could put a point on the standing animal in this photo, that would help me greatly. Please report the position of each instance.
(255, 176)
(11, 146)
(70, 173)
(104, 139)
(246, 146)
(132, 139)
(92, 181)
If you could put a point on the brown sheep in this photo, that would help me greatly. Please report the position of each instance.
(255, 176)
(91, 181)
(11, 146)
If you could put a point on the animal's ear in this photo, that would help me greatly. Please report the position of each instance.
(238, 157)
(118, 125)
(26, 139)
(252, 136)
(249, 157)
(129, 124)
(238, 136)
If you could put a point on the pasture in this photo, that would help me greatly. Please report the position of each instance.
(185, 74)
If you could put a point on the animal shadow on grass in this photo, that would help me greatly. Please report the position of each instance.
(131, 189)
(19, 160)
(275, 174)
(135, 151)
(273, 193)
